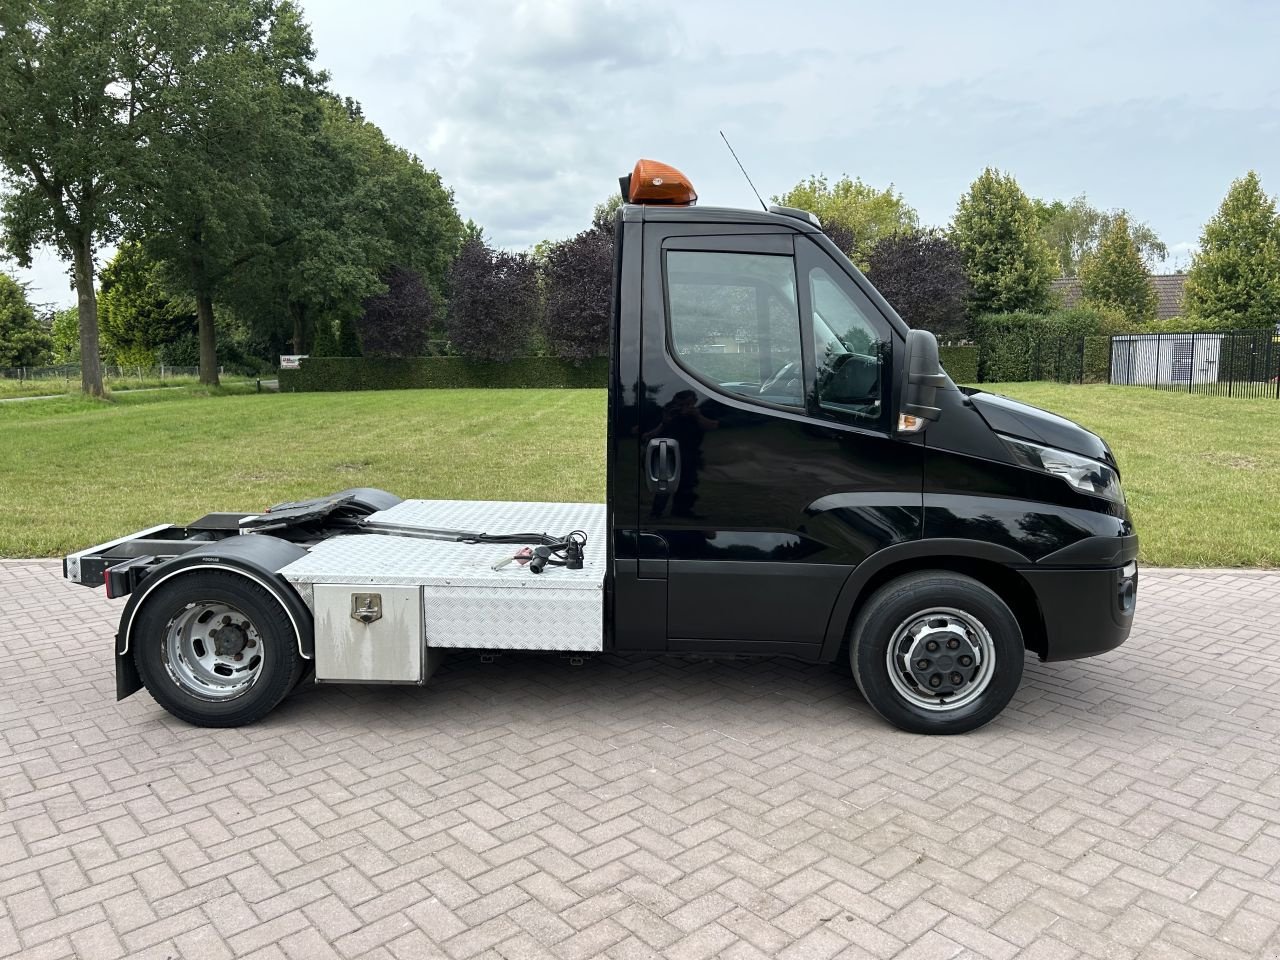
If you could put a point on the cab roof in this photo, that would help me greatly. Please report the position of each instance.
(667, 213)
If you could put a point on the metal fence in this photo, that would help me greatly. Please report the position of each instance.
(71, 371)
(1057, 358)
(1231, 363)
(1025, 355)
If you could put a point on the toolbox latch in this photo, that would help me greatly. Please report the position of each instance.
(366, 607)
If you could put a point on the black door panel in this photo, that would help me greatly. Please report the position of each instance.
(775, 500)
(739, 600)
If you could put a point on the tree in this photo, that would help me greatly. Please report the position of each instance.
(578, 275)
(395, 323)
(137, 313)
(867, 214)
(82, 85)
(1008, 263)
(1150, 247)
(325, 343)
(65, 331)
(1068, 229)
(493, 307)
(1234, 280)
(922, 275)
(843, 237)
(346, 210)
(23, 341)
(1074, 229)
(1114, 275)
(348, 344)
(602, 219)
(602, 216)
(206, 209)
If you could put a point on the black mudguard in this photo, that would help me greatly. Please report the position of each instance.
(256, 555)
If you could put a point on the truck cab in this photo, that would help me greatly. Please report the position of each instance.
(790, 473)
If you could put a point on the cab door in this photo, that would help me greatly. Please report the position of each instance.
(767, 469)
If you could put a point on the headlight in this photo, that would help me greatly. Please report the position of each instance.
(1085, 474)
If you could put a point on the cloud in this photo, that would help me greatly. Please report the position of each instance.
(591, 34)
(531, 110)
(519, 109)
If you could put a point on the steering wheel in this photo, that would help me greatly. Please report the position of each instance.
(790, 374)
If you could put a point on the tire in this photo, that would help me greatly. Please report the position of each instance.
(936, 628)
(193, 674)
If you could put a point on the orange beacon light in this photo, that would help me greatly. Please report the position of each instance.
(654, 182)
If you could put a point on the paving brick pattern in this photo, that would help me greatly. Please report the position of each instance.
(1127, 806)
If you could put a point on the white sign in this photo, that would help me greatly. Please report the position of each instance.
(290, 361)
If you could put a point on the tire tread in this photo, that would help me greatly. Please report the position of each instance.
(915, 591)
(268, 615)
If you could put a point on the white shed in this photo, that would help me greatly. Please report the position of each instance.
(1154, 359)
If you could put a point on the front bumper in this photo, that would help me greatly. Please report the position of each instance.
(1086, 610)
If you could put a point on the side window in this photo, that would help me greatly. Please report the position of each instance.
(850, 350)
(734, 322)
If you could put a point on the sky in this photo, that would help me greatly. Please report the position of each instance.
(530, 111)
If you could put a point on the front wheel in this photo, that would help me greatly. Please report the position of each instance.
(216, 649)
(937, 652)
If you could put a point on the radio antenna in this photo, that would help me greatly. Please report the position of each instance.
(744, 171)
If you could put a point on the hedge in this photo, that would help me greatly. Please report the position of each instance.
(1097, 359)
(373, 373)
(960, 362)
(1010, 347)
(1066, 345)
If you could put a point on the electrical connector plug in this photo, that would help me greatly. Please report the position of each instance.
(541, 554)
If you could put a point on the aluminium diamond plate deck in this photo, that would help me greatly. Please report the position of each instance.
(466, 603)
(408, 561)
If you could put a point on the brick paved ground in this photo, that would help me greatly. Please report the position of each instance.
(1125, 806)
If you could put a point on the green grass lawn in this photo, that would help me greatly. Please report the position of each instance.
(1202, 474)
(75, 472)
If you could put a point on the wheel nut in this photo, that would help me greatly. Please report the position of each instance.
(226, 620)
(935, 680)
(956, 679)
(922, 664)
(966, 660)
(932, 646)
(953, 644)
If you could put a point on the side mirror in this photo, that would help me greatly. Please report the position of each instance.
(922, 375)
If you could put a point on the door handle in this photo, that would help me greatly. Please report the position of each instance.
(662, 465)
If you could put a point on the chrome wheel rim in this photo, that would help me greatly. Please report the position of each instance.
(213, 651)
(941, 659)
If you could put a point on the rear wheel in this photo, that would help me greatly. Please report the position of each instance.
(216, 649)
(937, 652)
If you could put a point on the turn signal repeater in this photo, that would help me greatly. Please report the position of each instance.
(654, 182)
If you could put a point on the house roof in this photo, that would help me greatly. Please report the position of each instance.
(1168, 292)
